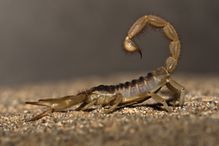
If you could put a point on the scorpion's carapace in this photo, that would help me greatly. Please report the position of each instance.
(133, 92)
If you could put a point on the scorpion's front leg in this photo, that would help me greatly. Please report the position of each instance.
(58, 104)
(86, 105)
(115, 101)
(103, 100)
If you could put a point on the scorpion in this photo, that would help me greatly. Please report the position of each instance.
(132, 92)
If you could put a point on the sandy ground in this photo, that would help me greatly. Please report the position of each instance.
(197, 123)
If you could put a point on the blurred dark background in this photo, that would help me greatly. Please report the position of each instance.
(49, 40)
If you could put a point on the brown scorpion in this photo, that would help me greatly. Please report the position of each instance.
(135, 91)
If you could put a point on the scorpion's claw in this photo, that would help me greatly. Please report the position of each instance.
(39, 116)
(43, 102)
(57, 104)
(35, 103)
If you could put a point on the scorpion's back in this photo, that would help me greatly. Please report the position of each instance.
(149, 83)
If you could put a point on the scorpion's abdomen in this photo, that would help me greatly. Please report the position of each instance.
(149, 83)
(135, 87)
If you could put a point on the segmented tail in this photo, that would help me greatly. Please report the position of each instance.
(169, 31)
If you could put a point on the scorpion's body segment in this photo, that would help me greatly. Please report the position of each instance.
(132, 92)
(129, 90)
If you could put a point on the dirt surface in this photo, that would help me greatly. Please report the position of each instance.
(197, 123)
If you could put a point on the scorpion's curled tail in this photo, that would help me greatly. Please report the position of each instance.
(169, 31)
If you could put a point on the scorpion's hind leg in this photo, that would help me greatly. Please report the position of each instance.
(161, 100)
(58, 104)
(178, 91)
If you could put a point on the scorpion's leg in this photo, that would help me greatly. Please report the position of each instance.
(114, 101)
(178, 90)
(81, 106)
(161, 100)
(85, 106)
(153, 94)
(145, 96)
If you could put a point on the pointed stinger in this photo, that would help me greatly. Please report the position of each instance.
(140, 53)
